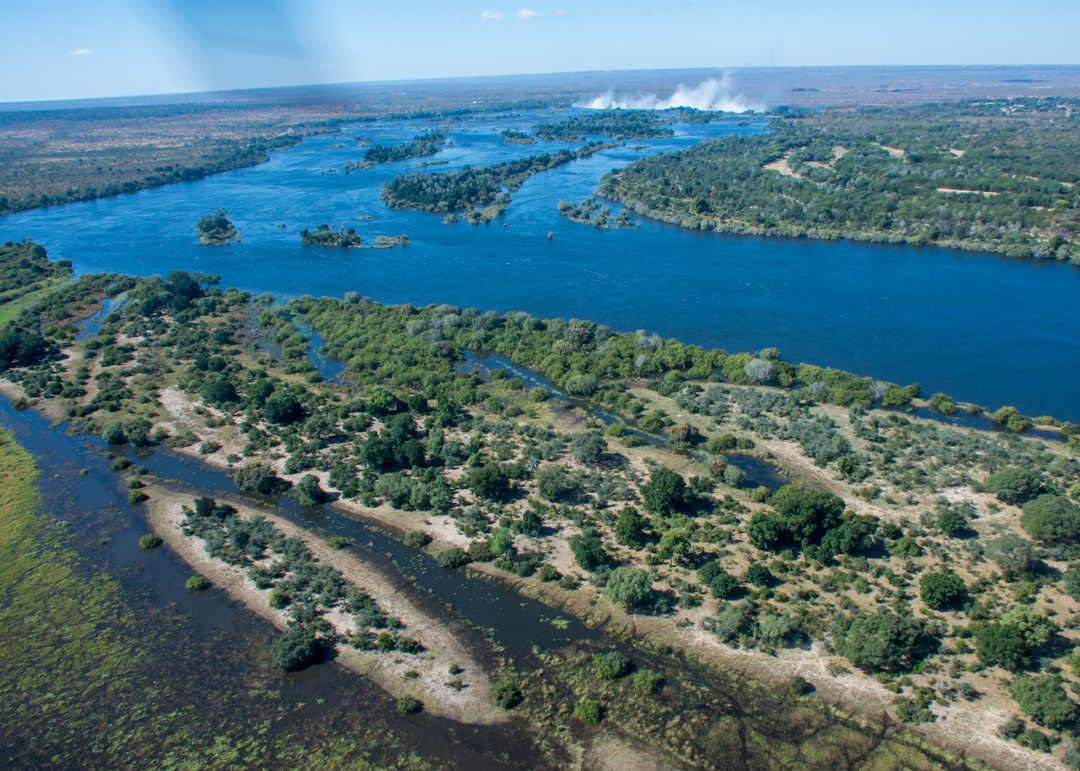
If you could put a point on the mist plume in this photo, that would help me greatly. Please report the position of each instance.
(711, 94)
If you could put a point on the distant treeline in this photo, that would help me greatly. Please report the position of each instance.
(474, 186)
(997, 175)
(421, 145)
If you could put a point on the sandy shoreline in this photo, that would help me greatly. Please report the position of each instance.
(471, 704)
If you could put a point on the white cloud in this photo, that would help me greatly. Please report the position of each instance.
(80, 52)
(525, 13)
(489, 15)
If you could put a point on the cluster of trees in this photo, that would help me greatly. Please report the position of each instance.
(216, 228)
(584, 212)
(474, 186)
(617, 124)
(324, 235)
(421, 145)
(974, 175)
(512, 137)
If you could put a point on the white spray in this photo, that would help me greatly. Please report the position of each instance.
(711, 94)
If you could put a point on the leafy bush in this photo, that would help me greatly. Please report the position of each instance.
(647, 682)
(629, 587)
(1044, 698)
(951, 522)
(1013, 485)
(261, 479)
(505, 695)
(610, 666)
(588, 551)
(587, 447)
(665, 493)
(417, 539)
(150, 541)
(880, 641)
(196, 584)
(630, 528)
(297, 648)
(589, 711)
(1004, 644)
(407, 705)
(337, 542)
(454, 557)
(941, 590)
(1051, 518)
(723, 585)
(489, 481)
(114, 434)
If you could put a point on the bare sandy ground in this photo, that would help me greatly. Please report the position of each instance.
(471, 704)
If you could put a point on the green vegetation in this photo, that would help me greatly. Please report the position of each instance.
(584, 212)
(150, 541)
(479, 186)
(992, 175)
(324, 235)
(216, 228)
(589, 711)
(617, 124)
(512, 137)
(421, 145)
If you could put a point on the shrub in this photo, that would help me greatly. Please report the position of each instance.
(278, 599)
(610, 666)
(589, 711)
(297, 648)
(454, 557)
(880, 641)
(647, 682)
(114, 434)
(588, 551)
(505, 695)
(196, 584)
(665, 492)
(1013, 485)
(310, 491)
(336, 542)
(1051, 518)
(723, 585)
(951, 522)
(489, 481)
(283, 408)
(135, 497)
(1044, 698)
(629, 587)
(759, 575)
(407, 705)
(587, 447)
(553, 481)
(630, 528)
(1004, 644)
(941, 590)
(708, 571)
(261, 479)
(417, 539)
(150, 541)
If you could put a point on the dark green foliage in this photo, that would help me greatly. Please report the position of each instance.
(610, 666)
(617, 124)
(283, 408)
(150, 541)
(941, 590)
(196, 584)
(324, 235)
(802, 518)
(114, 434)
(665, 493)
(489, 481)
(587, 447)
(943, 404)
(722, 585)
(630, 528)
(258, 478)
(454, 557)
(297, 648)
(337, 542)
(1071, 582)
(1051, 518)
(1044, 698)
(407, 705)
(417, 539)
(421, 145)
(1013, 485)
(951, 522)
(553, 481)
(629, 587)
(647, 682)
(1003, 644)
(880, 641)
(310, 491)
(505, 695)
(588, 551)
(759, 575)
(215, 228)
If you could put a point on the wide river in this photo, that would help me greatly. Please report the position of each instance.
(980, 327)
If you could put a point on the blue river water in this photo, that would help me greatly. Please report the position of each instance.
(980, 327)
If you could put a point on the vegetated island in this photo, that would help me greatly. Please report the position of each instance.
(478, 186)
(908, 566)
(994, 175)
(421, 145)
(347, 238)
(512, 137)
(617, 124)
(584, 212)
(216, 228)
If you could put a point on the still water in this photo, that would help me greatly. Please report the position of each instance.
(980, 327)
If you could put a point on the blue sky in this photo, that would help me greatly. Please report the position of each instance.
(66, 49)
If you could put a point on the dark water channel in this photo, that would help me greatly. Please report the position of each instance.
(983, 328)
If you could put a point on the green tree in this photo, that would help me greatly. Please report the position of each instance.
(283, 408)
(1013, 485)
(881, 641)
(489, 481)
(629, 587)
(310, 491)
(1051, 518)
(553, 481)
(1044, 698)
(665, 492)
(587, 447)
(589, 711)
(1004, 644)
(610, 666)
(673, 544)
(722, 585)
(951, 522)
(941, 590)
(261, 479)
(630, 528)
(295, 649)
(588, 551)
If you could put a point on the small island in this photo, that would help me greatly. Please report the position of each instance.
(512, 137)
(421, 145)
(584, 211)
(347, 238)
(617, 124)
(216, 228)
